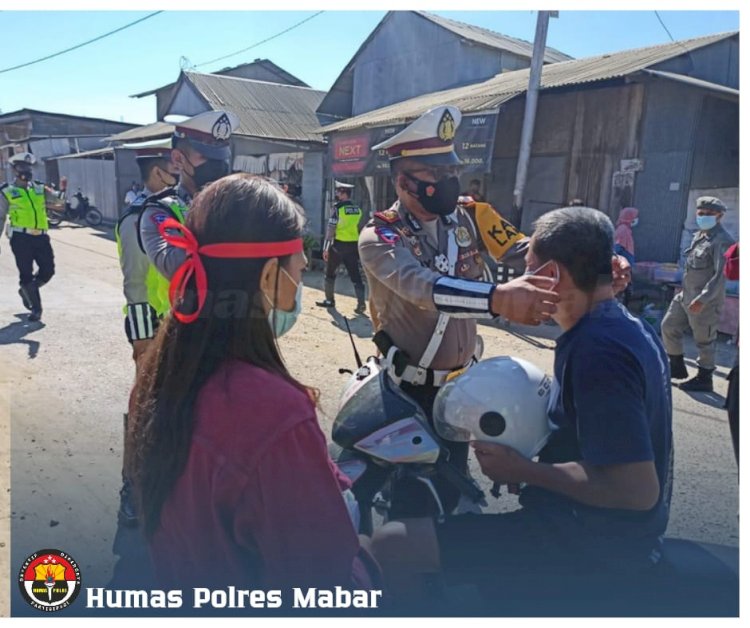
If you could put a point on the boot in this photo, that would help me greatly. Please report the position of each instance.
(35, 300)
(677, 367)
(360, 292)
(329, 301)
(24, 297)
(702, 382)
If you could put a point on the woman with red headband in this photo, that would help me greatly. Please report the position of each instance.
(233, 478)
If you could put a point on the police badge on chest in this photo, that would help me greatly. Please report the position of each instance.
(441, 263)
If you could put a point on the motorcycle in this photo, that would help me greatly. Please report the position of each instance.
(77, 209)
(381, 436)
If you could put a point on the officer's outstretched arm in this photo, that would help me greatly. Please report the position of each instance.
(165, 257)
(385, 258)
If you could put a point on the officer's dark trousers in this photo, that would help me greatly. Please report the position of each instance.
(346, 253)
(410, 497)
(29, 249)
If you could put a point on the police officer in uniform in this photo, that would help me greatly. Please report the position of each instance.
(698, 305)
(423, 262)
(201, 151)
(146, 289)
(23, 200)
(341, 246)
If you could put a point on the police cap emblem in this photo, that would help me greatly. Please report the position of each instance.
(222, 128)
(447, 127)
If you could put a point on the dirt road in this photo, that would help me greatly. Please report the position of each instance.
(67, 382)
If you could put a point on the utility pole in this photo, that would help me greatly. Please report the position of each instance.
(529, 116)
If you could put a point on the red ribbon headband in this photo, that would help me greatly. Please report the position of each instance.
(193, 266)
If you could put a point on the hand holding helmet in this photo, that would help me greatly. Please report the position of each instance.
(501, 400)
(501, 405)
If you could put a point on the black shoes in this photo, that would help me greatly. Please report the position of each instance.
(677, 367)
(32, 300)
(326, 303)
(702, 382)
(361, 308)
(24, 298)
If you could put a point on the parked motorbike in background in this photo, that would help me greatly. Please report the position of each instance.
(77, 209)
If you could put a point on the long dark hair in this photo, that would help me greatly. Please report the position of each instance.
(232, 324)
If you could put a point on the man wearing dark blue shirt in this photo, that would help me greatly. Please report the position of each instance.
(598, 498)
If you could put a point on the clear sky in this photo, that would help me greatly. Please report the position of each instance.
(98, 79)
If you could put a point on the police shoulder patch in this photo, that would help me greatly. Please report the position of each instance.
(158, 218)
(388, 215)
(387, 235)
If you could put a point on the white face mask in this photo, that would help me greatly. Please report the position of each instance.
(556, 278)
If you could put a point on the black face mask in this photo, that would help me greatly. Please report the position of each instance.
(24, 175)
(209, 171)
(438, 198)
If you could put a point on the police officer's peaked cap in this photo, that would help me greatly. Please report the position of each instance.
(711, 203)
(208, 133)
(428, 139)
(23, 158)
(340, 185)
(151, 150)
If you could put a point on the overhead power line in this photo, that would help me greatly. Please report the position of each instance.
(664, 26)
(255, 45)
(85, 43)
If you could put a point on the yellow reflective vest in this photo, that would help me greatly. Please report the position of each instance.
(26, 206)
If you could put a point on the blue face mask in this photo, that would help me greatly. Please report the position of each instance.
(705, 222)
(282, 321)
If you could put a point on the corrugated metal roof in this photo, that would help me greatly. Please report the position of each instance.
(266, 110)
(266, 63)
(492, 39)
(146, 132)
(503, 87)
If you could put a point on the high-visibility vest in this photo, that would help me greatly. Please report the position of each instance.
(157, 285)
(26, 206)
(347, 227)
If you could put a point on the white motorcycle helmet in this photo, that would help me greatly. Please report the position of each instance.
(500, 400)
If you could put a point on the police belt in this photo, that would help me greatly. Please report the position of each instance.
(34, 232)
(415, 375)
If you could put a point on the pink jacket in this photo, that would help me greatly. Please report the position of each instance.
(623, 231)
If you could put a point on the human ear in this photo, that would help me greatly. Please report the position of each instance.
(268, 277)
